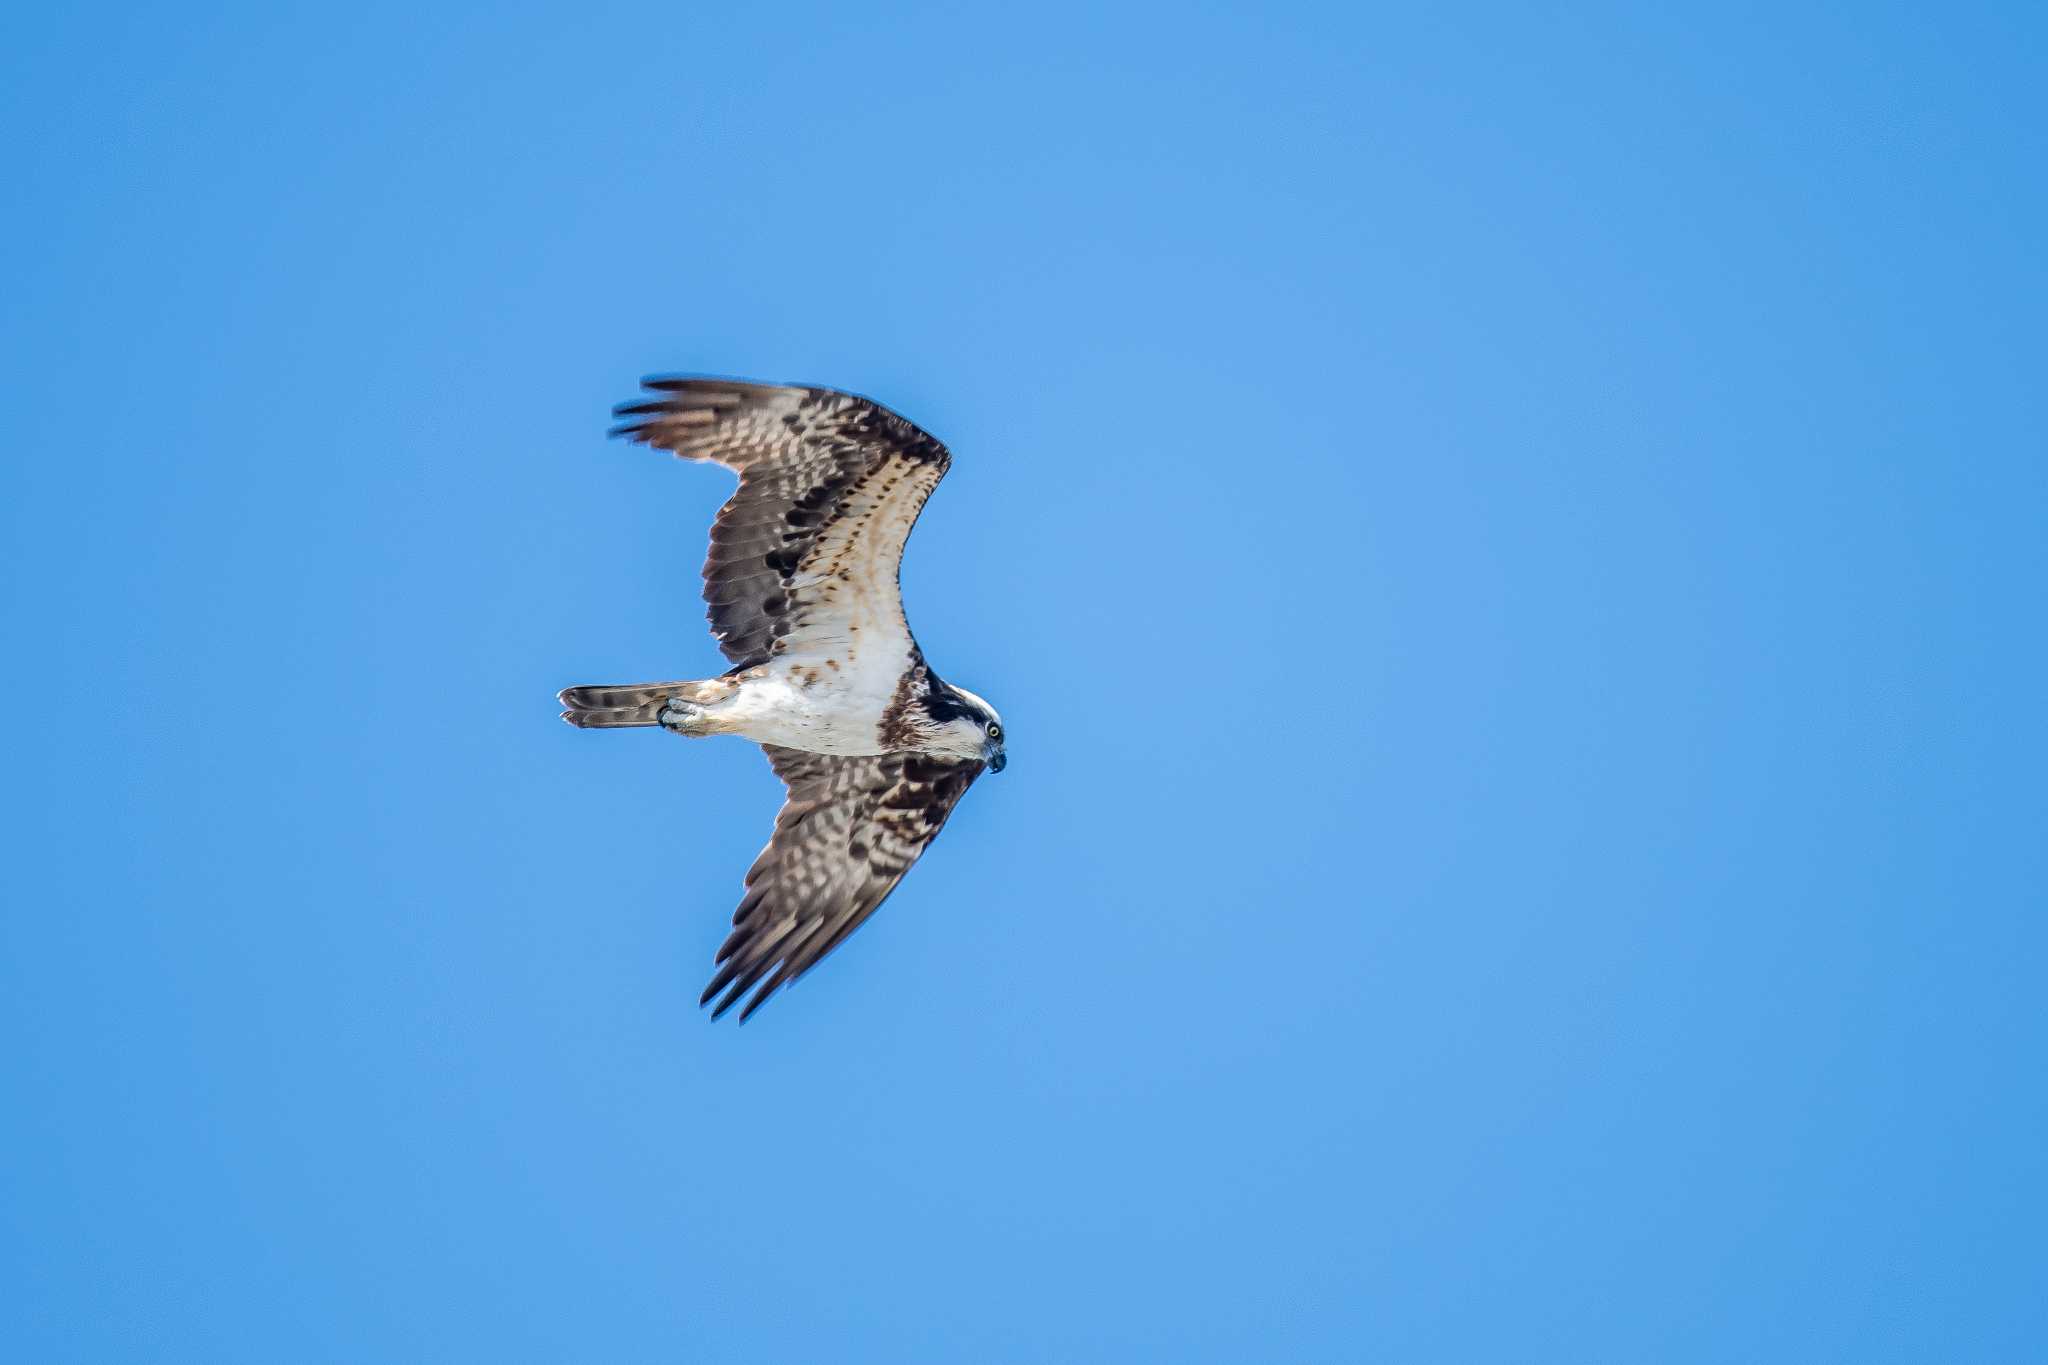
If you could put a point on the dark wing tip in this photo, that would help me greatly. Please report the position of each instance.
(710, 390)
(639, 409)
(684, 408)
(732, 995)
(676, 383)
(760, 999)
(735, 390)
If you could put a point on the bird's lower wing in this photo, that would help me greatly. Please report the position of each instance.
(850, 829)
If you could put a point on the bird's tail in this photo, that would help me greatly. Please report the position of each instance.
(624, 705)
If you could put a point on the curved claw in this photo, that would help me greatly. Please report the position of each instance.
(681, 717)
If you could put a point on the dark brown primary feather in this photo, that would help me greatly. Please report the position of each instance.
(849, 830)
(806, 457)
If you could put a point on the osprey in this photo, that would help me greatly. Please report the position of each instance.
(874, 747)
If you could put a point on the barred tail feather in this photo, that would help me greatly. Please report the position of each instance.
(622, 706)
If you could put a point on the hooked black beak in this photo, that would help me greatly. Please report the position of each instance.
(993, 756)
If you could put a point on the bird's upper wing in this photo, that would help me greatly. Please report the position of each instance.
(804, 556)
(850, 829)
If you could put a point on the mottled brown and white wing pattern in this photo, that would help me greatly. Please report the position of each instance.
(804, 556)
(849, 830)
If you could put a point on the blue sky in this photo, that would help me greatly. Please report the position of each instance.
(1509, 545)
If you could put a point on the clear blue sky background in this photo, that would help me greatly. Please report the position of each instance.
(1510, 544)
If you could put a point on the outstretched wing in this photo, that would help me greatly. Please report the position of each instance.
(849, 830)
(804, 557)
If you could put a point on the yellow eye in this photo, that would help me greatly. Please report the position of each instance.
(995, 731)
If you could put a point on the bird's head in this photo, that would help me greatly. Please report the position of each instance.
(962, 725)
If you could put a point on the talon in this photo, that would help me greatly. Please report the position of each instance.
(680, 716)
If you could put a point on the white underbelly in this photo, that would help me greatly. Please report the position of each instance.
(830, 716)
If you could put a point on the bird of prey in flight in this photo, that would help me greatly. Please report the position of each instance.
(874, 748)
